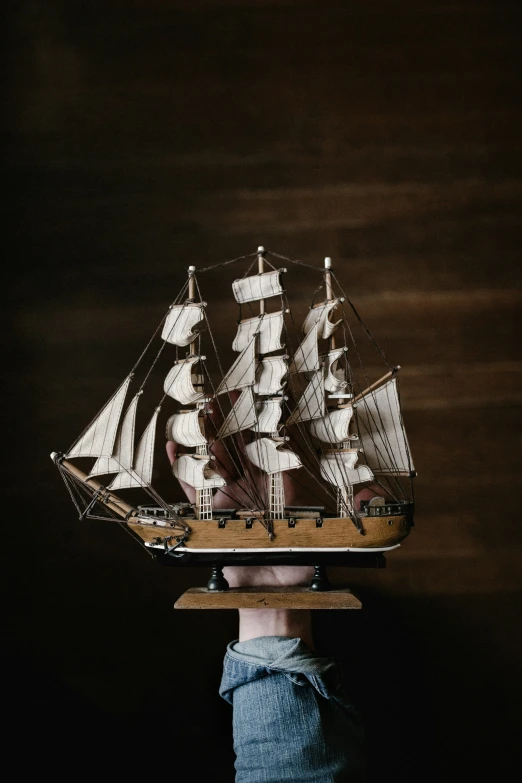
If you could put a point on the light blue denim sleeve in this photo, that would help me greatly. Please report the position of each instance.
(291, 720)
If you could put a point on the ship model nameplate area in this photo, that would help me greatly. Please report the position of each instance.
(292, 451)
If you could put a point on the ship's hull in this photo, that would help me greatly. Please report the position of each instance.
(291, 536)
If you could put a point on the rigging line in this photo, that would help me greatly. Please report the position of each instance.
(253, 486)
(389, 462)
(163, 346)
(215, 457)
(340, 464)
(354, 343)
(300, 425)
(254, 496)
(225, 263)
(69, 485)
(250, 267)
(130, 374)
(371, 338)
(399, 435)
(295, 261)
(384, 462)
(406, 443)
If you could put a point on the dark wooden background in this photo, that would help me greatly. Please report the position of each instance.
(141, 137)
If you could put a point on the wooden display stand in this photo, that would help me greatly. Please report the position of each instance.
(268, 598)
(319, 594)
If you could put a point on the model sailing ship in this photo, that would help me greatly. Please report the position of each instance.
(299, 404)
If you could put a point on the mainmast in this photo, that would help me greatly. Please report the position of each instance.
(276, 490)
(261, 377)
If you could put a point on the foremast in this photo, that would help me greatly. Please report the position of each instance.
(187, 427)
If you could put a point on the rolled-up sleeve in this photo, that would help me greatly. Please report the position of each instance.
(291, 719)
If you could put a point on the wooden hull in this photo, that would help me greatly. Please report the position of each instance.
(334, 534)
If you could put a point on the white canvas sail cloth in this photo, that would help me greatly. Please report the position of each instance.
(320, 315)
(184, 428)
(140, 475)
(268, 455)
(179, 382)
(306, 358)
(263, 286)
(195, 472)
(312, 403)
(268, 327)
(124, 447)
(334, 427)
(339, 469)
(334, 376)
(243, 371)
(98, 440)
(241, 417)
(180, 322)
(271, 375)
(268, 415)
(383, 438)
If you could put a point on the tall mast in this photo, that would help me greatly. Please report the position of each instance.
(345, 503)
(329, 294)
(276, 495)
(203, 496)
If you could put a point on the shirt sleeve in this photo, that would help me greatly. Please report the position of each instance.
(291, 718)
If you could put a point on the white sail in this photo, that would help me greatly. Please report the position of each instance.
(241, 417)
(306, 358)
(268, 415)
(179, 323)
(339, 469)
(194, 471)
(124, 447)
(184, 428)
(268, 455)
(268, 328)
(179, 383)
(319, 315)
(140, 475)
(334, 379)
(332, 428)
(251, 289)
(270, 375)
(383, 438)
(98, 440)
(243, 371)
(312, 404)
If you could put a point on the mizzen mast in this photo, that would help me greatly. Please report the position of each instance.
(345, 504)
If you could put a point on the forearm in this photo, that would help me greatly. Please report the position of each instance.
(293, 623)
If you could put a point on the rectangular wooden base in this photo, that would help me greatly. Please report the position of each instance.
(268, 598)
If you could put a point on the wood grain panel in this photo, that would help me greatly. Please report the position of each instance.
(144, 137)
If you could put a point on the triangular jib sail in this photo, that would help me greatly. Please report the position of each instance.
(140, 475)
(124, 449)
(98, 440)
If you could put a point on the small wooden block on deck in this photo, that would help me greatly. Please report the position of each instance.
(268, 598)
